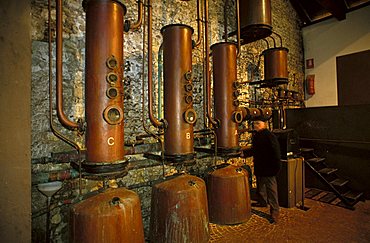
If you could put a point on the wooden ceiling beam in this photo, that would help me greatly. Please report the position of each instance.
(336, 7)
(301, 11)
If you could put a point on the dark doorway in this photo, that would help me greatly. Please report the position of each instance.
(353, 78)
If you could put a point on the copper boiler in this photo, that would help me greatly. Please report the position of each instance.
(178, 92)
(255, 19)
(179, 211)
(225, 95)
(103, 81)
(111, 216)
(276, 64)
(228, 195)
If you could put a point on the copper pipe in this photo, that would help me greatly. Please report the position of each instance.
(225, 19)
(59, 71)
(158, 137)
(268, 45)
(139, 21)
(153, 120)
(281, 40)
(207, 78)
(273, 40)
(238, 27)
(55, 132)
(197, 43)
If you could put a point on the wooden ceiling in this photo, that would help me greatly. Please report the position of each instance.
(314, 11)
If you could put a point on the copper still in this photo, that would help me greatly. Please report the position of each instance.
(103, 82)
(111, 216)
(228, 195)
(179, 211)
(276, 65)
(255, 20)
(178, 92)
(225, 96)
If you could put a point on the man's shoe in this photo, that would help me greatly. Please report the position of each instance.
(275, 216)
(259, 205)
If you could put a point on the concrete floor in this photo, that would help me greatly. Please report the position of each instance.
(321, 223)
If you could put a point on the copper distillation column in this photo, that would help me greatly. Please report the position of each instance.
(178, 93)
(113, 215)
(103, 85)
(225, 96)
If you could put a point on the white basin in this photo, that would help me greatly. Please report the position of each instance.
(49, 188)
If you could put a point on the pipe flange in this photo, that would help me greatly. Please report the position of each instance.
(190, 116)
(236, 103)
(113, 114)
(188, 99)
(236, 85)
(236, 93)
(112, 62)
(112, 92)
(112, 78)
(237, 116)
(188, 87)
(188, 75)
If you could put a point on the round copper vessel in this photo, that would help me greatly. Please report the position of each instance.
(276, 65)
(179, 211)
(111, 216)
(178, 92)
(103, 82)
(225, 95)
(255, 19)
(228, 195)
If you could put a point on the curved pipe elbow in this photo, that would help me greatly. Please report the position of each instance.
(128, 25)
(59, 65)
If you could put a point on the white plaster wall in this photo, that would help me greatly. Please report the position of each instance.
(324, 42)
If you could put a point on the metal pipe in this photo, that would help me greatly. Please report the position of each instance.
(143, 92)
(267, 43)
(199, 29)
(281, 40)
(238, 28)
(155, 122)
(273, 40)
(139, 21)
(160, 78)
(207, 78)
(55, 132)
(225, 20)
(59, 70)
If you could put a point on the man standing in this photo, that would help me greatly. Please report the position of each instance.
(266, 158)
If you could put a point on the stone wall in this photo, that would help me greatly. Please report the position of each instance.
(46, 146)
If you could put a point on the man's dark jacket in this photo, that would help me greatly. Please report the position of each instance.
(266, 153)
